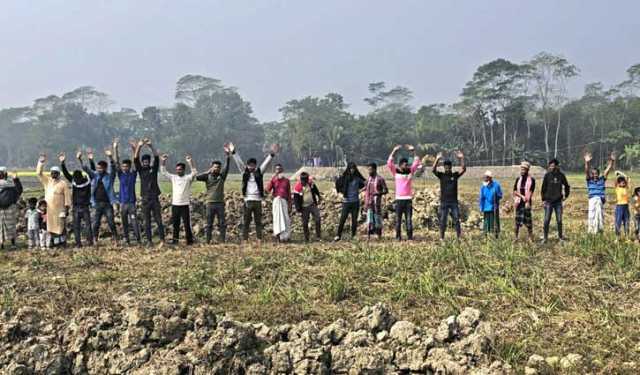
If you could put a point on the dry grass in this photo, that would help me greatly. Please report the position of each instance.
(576, 297)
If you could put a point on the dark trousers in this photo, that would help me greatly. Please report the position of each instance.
(104, 209)
(491, 223)
(307, 212)
(152, 207)
(404, 207)
(349, 208)
(637, 220)
(181, 213)
(129, 216)
(622, 217)
(252, 208)
(216, 210)
(446, 209)
(549, 208)
(80, 214)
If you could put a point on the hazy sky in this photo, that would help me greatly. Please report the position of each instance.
(274, 51)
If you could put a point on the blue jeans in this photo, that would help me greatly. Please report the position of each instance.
(622, 218)
(549, 209)
(446, 209)
(104, 209)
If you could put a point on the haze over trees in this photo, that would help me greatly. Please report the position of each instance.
(506, 112)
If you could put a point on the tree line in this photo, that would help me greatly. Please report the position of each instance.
(506, 112)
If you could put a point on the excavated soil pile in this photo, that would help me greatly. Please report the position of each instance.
(134, 337)
(426, 205)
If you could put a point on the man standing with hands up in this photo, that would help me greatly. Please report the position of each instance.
(180, 196)
(449, 192)
(149, 189)
(403, 176)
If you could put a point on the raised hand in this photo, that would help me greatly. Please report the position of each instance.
(227, 148)
(459, 154)
(62, 157)
(587, 157)
(116, 141)
(90, 153)
(108, 152)
(275, 148)
(231, 147)
(613, 156)
(133, 144)
(396, 148)
(42, 158)
(410, 148)
(439, 156)
(146, 141)
(188, 158)
(164, 157)
(79, 154)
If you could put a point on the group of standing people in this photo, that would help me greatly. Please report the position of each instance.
(91, 193)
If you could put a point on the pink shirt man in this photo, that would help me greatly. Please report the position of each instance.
(404, 190)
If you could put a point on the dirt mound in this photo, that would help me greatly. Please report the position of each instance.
(135, 337)
(505, 174)
(426, 205)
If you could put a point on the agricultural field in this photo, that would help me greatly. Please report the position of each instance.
(576, 297)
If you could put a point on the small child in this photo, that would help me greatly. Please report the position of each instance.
(623, 196)
(33, 223)
(45, 237)
(636, 206)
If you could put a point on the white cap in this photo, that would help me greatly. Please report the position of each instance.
(3, 169)
(488, 174)
(55, 169)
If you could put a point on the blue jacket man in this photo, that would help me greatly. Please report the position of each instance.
(127, 174)
(490, 196)
(102, 196)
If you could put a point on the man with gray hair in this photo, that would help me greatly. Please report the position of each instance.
(10, 191)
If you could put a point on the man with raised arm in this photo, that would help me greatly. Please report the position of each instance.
(214, 179)
(449, 192)
(252, 189)
(149, 189)
(596, 189)
(103, 178)
(10, 191)
(180, 196)
(403, 177)
(127, 174)
(81, 197)
(58, 197)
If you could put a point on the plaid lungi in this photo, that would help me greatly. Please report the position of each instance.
(8, 220)
(523, 216)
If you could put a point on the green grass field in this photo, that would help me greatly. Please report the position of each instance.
(580, 296)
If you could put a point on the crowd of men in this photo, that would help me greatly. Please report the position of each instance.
(91, 194)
